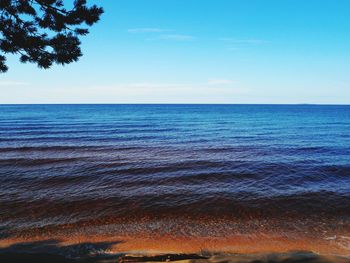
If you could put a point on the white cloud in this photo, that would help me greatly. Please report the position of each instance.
(7, 83)
(156, 92)
(177, 37)
(160, 34)
(212, 91)
(156, 85)
(220, 81)
(148, 30)
(147, 85)
(245, 41)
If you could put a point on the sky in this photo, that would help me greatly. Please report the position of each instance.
(200, 51)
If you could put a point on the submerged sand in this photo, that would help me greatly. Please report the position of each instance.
(244, 249)
(291, 257)
(209, 243)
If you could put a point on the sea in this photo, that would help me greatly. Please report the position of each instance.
(222, 177)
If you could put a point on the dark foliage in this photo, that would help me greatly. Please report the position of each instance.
(44, 31)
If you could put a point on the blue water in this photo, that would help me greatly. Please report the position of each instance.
(96, 164)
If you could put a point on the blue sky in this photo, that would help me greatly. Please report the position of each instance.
(200, 51)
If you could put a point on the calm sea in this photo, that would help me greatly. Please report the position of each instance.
(137, 168)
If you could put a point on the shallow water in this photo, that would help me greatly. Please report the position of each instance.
(187, 171)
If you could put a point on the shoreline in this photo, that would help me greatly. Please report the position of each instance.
(203, 250)
(207, 257)
(78, 244)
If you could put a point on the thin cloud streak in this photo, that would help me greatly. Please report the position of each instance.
(146, 85)
(177, 37)
(159, 34)
(8, 83)
(245, 41)
(148, 30)
(220, 81)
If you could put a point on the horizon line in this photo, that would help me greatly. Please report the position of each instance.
(101, 103)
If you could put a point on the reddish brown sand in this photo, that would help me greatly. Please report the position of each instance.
(183, 237)
(296, 257)
(235, 244)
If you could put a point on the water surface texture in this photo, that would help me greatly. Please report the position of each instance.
(188, 172)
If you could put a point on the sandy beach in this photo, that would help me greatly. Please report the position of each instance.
(146, 249)
(292, 257)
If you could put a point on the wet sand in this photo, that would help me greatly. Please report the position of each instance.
(159, 237)
(257, 248)
(292, 257)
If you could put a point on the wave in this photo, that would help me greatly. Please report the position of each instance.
(28, 162)
(206, 168)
